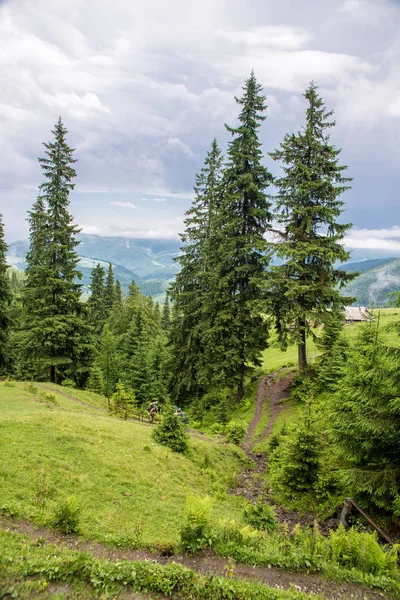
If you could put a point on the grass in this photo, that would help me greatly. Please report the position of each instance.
(123, 481)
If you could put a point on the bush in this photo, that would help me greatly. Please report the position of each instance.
(261, 516)
(171, 431)
(49, 397)
(68, 383)
(235, 431)
(67, 516)
(196, 531)
(32, 388)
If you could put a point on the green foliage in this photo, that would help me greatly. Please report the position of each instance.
(196, 530)
(5, 302)
(296, 470)
(362, 551)
(68, 383)
(261, 516)
(364, 417)
(304, 288)
(97, 301)
(235, 431)
(67, 516)
(122, 401)
(58, 338)
(95, 382)
(171, 431)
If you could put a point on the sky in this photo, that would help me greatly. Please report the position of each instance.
(144, 87)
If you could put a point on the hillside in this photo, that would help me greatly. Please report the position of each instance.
(371, 287)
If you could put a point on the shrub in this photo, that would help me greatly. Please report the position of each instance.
(196, 531)
(261, 516)
(235, 431)
(171, 432)
(9, 383)
(32, 388)
(49, 397)
(67, 516)
(68, 383)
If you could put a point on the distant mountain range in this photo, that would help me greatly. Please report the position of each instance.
(151, 264)
(375, 281)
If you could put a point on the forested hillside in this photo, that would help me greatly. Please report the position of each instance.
(371, 288)
(237, 417)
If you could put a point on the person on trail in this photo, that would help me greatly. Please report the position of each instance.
(153, 410)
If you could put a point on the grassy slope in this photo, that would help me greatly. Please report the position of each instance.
(118, 474)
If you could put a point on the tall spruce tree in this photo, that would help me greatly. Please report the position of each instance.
(189, 289)
(58, 335)
(109, 293)
(236, 332)
(5, 301)
(304, 289)
(96, 301)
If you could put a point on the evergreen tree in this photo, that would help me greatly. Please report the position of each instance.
(300, 463)
(118, 293)
(108, 360)
(5, 301)
(166, 317)
(58, 337)
(188, 292)
(364, 419)
(122, 401)
(140, 371)
(96, 301)
(95, 382)
(235, 332)
(109, 293)
(308, 206)
(171, 431)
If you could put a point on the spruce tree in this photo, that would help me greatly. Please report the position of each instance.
(305, 287)
(165, 322)
(364, 421)
(236, 332)
(59, 337)
(5, 301)
(108, 360)
(96, 301)
(189, 290)
(109, 292)
(95, 382)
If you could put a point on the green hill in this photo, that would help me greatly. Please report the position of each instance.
(371, 287)
(126, 484)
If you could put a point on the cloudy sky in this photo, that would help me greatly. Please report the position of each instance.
(143, 87)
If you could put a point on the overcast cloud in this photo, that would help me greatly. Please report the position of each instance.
(144, 87)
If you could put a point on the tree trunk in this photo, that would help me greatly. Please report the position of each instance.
(240, 389)
(302, 349)
(52, 373)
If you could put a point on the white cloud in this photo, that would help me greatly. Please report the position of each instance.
(124, 204)
(176, 145)
(273, 36)
(160, 199)
(375, 239)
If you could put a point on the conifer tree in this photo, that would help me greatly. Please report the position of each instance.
(59, 337)
(301, 460)
(95, 382)
(364, 418)
(188, 292)
(108, 360)
(118, 293)
(5, 301)
(236, 332)
(308, 206)
(109, 292)
(166, 317)
(96, 301)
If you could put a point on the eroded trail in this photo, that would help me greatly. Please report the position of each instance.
(270, 390)
(206, 562)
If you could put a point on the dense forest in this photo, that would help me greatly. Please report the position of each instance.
(202, 349)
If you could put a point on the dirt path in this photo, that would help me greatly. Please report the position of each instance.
(275, 391)
(205, 562)
(69, 397)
